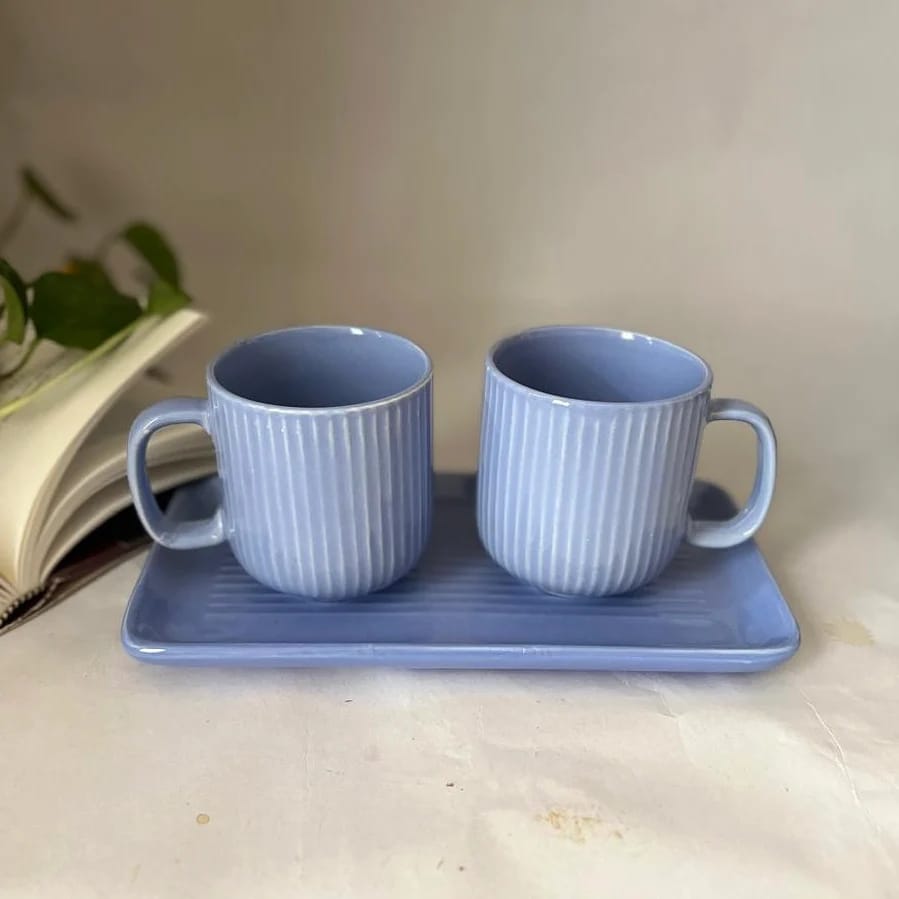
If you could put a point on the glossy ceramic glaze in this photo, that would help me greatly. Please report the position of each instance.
(709, 611)
(323, 442)
(589, 441)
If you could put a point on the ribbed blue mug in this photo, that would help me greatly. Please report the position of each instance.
(589, 442)
(322, 438)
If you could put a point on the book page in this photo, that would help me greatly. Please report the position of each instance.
(100, 506)
(103, 454)
(48, 360)
(38, 441)
(103, 463)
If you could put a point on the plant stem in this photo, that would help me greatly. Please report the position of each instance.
(14, 220)
(77, 366)
(21, 363)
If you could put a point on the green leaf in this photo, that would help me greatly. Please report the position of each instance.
(14, 278)
(37, 188)
(15, 313)
(90, 269)
(165, 299)
(15, 297)
(154, 249)
(73, 311)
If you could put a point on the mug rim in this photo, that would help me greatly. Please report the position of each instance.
(214, 384)
(704, 386)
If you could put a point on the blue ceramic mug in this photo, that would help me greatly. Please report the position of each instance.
(323, 442)
(589, 441)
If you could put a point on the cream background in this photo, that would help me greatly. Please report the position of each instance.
(722, 174)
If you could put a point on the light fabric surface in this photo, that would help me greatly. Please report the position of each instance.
(122, 779)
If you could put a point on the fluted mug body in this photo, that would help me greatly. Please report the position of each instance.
(322, 438)
(589, 443)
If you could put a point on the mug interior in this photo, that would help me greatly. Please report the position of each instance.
(321, 367)
(600, 365)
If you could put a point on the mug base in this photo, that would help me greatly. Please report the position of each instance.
(559, 595)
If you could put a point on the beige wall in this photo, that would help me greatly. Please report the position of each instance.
(721, 173)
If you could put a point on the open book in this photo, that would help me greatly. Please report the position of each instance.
(62, 464)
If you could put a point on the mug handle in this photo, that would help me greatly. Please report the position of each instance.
(721, 534)
(174, 535)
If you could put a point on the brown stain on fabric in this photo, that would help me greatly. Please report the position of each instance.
(848, 631)
(576, 828)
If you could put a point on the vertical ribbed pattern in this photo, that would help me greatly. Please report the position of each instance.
(328, 503)
(584, 498)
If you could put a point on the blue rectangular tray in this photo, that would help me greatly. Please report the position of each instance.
(712, 610)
